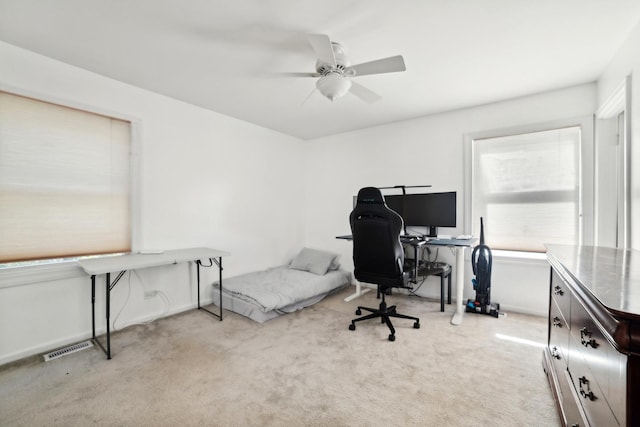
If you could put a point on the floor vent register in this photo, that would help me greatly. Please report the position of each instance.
(67, 350)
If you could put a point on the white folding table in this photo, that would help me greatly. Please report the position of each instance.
(132, 261)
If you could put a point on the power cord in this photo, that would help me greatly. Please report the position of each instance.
(147, 295)
(412, 291)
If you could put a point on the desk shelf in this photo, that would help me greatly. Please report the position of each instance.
(442, 270)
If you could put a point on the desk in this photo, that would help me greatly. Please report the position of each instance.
(459, 245)
(108, 264)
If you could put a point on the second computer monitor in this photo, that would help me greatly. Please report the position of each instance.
(431, 210)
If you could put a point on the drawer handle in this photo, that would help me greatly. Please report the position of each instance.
(556, 322)
(558, 290)
(588, 394)
(585, 338)
(555, 353)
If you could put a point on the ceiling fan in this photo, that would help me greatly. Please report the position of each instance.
(335, 70)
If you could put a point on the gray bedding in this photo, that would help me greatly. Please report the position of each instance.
(279, 289)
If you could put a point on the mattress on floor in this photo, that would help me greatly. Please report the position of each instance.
(263, 295)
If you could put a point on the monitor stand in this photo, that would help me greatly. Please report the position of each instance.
(433, 231)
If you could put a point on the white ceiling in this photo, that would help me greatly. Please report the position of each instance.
(226, 55)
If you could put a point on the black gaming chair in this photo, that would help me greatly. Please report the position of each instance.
(378, 256)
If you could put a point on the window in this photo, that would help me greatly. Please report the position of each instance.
(64, 181)
(528, 187)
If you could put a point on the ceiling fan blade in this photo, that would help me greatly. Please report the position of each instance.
(294, 74)
(363, 93)
(322, 46)
(379, 66)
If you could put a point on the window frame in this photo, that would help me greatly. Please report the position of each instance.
(586, 178)
(618, 103)
(56, 269)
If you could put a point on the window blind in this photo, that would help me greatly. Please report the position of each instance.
(527, 189)
(64, 181)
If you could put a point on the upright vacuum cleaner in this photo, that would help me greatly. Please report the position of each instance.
(481, 263)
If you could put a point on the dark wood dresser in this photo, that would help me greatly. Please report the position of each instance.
(592, 357)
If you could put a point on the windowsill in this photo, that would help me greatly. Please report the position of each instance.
(30, 274)
(515, 256)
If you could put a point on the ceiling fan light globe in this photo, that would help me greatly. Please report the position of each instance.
(333, 86)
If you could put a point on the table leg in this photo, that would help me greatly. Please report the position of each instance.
(93, 306)
(218, 262)
(108, 287)
(358, 293)
(198, 281)
(457, 316)
(442, 291)
(220, 281)
(108, 310)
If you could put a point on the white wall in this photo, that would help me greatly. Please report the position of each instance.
(206, 180)
(626, 62)
(429, 150)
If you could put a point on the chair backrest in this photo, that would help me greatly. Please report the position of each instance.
(378, 255)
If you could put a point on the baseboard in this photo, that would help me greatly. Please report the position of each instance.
(44, 348)
(53, 345)
(151, 317)
(506, 308)
(56, 344)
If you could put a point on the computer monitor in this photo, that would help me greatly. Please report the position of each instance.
(431, 210)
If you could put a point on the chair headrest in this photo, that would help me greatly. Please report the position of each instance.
(370, 195)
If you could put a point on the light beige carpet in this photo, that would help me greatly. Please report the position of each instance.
(302, 369)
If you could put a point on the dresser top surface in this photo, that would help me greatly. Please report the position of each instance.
(611, 275)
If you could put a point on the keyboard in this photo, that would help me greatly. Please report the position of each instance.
(408, 237)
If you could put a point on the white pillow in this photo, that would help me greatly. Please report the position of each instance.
(313, 260)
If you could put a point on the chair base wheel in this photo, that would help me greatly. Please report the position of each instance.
(385, 314)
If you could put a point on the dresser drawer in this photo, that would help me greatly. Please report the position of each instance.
(595, 365)
(571, 405)
(592, 344)
(558, 334)
(561, 295)
(590, 394)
